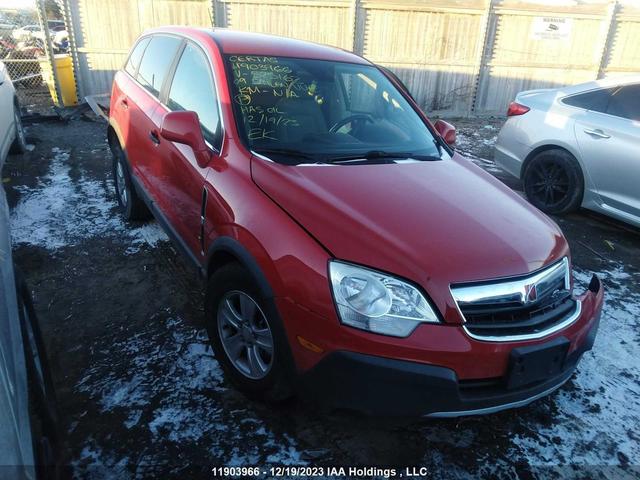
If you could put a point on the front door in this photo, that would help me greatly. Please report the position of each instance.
(178, 175)
(143, 101)
(609, 143)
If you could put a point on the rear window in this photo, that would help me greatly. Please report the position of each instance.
(595, 100)
(136, 55)
(156, 61)
(625, 102)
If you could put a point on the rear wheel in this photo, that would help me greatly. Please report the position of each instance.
(553, 182)
(131, 205)
(247, 336)
(19, 145)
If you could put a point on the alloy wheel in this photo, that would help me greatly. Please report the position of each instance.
(121, 184)
(245, 335)
(549, 183)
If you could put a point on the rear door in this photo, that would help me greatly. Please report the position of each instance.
(178, 175)
(128, 99)
(608, 137)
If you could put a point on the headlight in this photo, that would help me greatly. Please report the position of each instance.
(377, 302)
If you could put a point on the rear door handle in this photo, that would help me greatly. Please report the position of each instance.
(153, 135)
(125, 103)
(597, 133)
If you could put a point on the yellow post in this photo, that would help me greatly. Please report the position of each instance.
(64, 69)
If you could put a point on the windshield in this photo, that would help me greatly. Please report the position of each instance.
(304, 111)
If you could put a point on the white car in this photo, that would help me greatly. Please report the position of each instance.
(12, 138)
(6, 28)
(26, 32)
(577, 146)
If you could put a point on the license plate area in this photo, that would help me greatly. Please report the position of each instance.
(535, 363)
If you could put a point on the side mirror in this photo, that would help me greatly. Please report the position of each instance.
(446, 131)
(184, 127)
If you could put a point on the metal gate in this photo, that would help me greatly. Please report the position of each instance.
(28, 45)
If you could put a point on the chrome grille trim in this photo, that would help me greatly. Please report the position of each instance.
(530, 336)
(510, 291)
(516, 292)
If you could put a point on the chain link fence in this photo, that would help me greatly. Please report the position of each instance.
(28, 45)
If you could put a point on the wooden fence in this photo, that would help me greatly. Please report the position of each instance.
(461, 57)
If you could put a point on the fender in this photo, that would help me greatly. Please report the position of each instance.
(236, 249)
(116, 131)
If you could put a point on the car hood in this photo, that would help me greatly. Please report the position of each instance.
(435, 222)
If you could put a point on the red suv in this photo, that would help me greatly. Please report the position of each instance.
(349, 253)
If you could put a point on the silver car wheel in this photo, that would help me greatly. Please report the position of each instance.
(121, 185)
(245, 335)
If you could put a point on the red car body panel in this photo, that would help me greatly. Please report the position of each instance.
(382, 220)
(432, 344)
(433, 223)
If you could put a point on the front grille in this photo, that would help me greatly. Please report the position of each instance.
(530, 306)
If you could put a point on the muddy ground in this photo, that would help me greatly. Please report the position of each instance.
(141, 395)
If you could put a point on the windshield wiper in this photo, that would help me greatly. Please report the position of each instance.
(286, 152)
(381, 154)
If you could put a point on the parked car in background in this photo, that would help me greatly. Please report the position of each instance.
(6, 29)
(577, 146)
(25, 33)
(12, 137)
(55, 28)
(29, 441)
(348, 251)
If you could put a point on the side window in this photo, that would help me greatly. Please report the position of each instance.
(193, 89)
(595, 100)
(136, 56)
(625, 102)
(156, 61)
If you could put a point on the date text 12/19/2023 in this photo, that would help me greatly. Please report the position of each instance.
(311, 471)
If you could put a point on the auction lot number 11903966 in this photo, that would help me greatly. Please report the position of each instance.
(292, 471)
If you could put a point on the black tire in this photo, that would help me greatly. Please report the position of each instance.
(276, 385)
(43, 405)
(553, 182)
(131, 205)
(19, 144)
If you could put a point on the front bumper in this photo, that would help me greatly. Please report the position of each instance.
(387, 386)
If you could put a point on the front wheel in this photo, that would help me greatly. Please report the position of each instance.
(553, 182)
(247, 336)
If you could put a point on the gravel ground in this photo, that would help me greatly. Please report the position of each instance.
(141, 394)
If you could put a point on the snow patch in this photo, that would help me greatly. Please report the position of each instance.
(98, 464)
(67, 207)
(595, 419)
(167, 385)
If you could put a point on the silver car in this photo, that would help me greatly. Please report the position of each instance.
(12, 136)
(577, 146)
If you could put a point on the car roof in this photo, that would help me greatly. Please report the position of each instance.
(237, 42)
(602, 83)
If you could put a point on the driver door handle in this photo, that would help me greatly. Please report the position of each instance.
(596, 133)
(153, 135)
